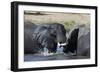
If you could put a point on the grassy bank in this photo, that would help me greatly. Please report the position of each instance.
(69, 20)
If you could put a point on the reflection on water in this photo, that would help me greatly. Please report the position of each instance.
(59, 55)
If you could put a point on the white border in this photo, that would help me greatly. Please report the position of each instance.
(22, 64)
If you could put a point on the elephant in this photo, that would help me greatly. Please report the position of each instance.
(84, 42)
(78, 42)
(58, 30)
(71, 45)
(40, 36)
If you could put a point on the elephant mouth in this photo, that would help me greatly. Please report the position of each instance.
(59, 49)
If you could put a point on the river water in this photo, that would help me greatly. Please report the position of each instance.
(57, 56)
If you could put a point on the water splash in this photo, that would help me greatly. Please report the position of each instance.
(59, 50)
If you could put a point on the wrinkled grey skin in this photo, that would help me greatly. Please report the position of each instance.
(44, 38)
(84, 42)
(57, 30)
(29, 43)
(36, 37)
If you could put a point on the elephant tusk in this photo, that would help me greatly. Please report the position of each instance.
(62, 44)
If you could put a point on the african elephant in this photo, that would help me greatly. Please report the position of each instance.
(37, 37)
(78, 42)
(71, 45)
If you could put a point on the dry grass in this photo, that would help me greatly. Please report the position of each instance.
(68, 19)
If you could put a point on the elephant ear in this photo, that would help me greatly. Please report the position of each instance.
(72, 40)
